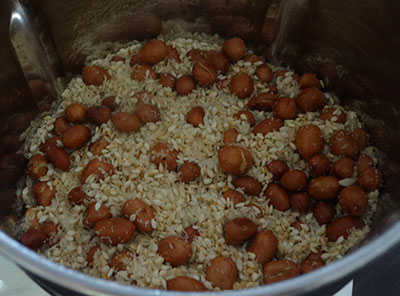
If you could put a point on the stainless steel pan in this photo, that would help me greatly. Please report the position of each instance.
(352, 45)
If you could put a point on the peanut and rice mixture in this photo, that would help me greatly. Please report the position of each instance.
(185, 222)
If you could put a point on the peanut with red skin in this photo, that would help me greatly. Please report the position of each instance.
(175, 250)
(234, 49)
(222, 273)
(234, 160)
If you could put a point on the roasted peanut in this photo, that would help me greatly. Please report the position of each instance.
(230, 136)
(37, 166)
(94, 75)
(239, 230)
(175, 250)
(252, 58)
(312, 262)
(279, 270)
(333, 114)
(248, 184)
(285, 108)
(262, 102)
(53, 141)
(309, 80)
(234, 49)
(277, 197)
(75, 113)
(310, 100)
(204, 73)
(126, 122)
(114, 230)
(90, 255)
(241, 85)
(189, 171)
(147, 113)
(97, 147)
(234, 160)
(76, 136)
(318, 165)
(58, 157)
(272, 89)
(100, 169)
(370, 179)
(264, 73)
(353, 200)
(95, 212)
(254, 210)
(144, 214)
(172, 54)
(195, 55)
(218, 60)
(300, 202)
(33, 239)
(134, 60)
(186, 284)
(110, 103)
(235, 196)
(185, 85)
(195, 116)
(60, 126)
(343, 168)
(268, 125)
(315, 256)
(309, 140)
(120, 260)
(297, 224)
(153, 51)
(51, 231)
(189, 233)
(277, 168)
(222, 273)
(294, 180)
(117, 59)
(167, 80)
(361, 138)
(141, 71)
(99, 114)
(364, 162)
(325, 187)
(324, 212)
(264, 246)
(162, 155)
(342, 143)
(76, 196)
(245, 115)
(43, 193)
(342, 227)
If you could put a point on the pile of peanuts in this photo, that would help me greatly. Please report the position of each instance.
(291, 189)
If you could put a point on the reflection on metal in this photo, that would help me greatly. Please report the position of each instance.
(31, 53)
(291, 17)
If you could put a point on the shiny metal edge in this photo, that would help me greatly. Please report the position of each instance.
(34, 52)
(83, 283)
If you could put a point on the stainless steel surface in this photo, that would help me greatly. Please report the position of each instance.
(352, 45)
(35, 54)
